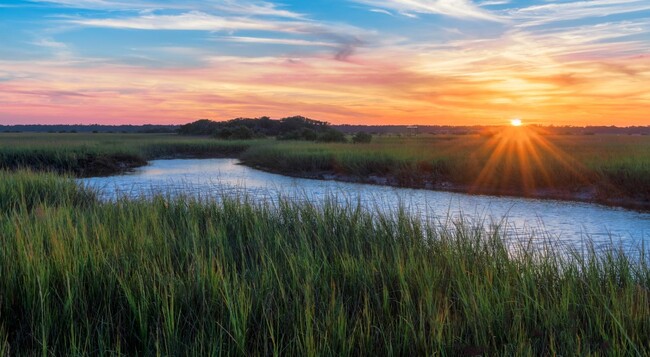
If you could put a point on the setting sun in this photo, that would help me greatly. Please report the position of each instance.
(515, 122)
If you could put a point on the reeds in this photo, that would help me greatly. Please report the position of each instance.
(87, 155)
(233, 277)
(605, 168)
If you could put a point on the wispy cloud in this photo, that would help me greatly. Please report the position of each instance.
(241, 7)
(261, 8)
(463, 9)
(187, 21)
(554, 62)
(494, 2)
(381, 11)
(556, 12)
(347, 38)
(276, 41)
(53, 94)
(58, 50)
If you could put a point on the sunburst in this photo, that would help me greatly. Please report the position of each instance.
(521, 159)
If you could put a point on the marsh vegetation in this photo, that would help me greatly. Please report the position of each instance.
(601, 168)
(236, 277)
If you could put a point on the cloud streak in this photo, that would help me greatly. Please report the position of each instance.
(557, 12)
(277, 41)
(462, 9)
(347, 38)
(550, 62)
(240, 7)
(194, 20)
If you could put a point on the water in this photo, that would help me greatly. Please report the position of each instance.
(560, 222)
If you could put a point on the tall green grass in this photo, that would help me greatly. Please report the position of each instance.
(612, 167)
(183, 276)
(25, 190)
(104, 154)
(609, 168)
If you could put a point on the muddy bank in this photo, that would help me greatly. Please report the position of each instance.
(117, 164)
(107, 165)
(587, 194)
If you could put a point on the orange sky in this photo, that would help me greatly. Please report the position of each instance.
(585, 73)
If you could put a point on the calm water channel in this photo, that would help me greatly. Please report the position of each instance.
(558, 221)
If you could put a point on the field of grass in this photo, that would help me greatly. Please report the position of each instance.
(604, 168)
(607, 167)
(176, 277)
(104, 154)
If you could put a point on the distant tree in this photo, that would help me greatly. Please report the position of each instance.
(298, 122)
(242, 133)
(266, 123)
(361, 138)
(300, 134)
(290, 128)
(199, 127)
(309, 134)
(223, 133)
(331, 136)
(292, 135)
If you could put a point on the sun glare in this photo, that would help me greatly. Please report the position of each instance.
(521, 158)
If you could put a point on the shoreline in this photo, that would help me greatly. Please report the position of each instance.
(586, 195)
(121, 273)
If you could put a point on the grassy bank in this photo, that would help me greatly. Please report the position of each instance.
(105, 154)
(608, 169)
(176, 277)
(602, 168)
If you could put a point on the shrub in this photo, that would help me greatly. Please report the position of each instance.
(331, 136)
(362, 138)
(242, 133)
(223, 133)
(300, 134)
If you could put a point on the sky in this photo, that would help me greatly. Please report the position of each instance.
(409, 62)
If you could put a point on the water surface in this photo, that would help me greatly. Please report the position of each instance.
(558, 221)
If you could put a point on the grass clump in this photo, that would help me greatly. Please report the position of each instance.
(185, 276)
(608, 169)
(104, 154)
(26, 190)
(604, 168)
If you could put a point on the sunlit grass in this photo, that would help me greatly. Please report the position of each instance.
(604, 166)
(612, 166)
(182, 276)
(104, 154)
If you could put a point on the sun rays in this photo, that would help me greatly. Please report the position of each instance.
(522, 160)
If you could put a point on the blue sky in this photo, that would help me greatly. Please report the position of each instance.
(356, 61)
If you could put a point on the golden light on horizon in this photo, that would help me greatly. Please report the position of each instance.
(520, 158)
(515, 122)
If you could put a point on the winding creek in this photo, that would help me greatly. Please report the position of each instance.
(559, 222)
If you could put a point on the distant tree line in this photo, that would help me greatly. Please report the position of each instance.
(478, 129)
(290, 128)
(94, 128)
(301, 128)
(361, 138)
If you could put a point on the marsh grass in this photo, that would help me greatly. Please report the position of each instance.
(611, 166)
(608, 168)
(186, 276)
(104, 154)
(26, 190)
